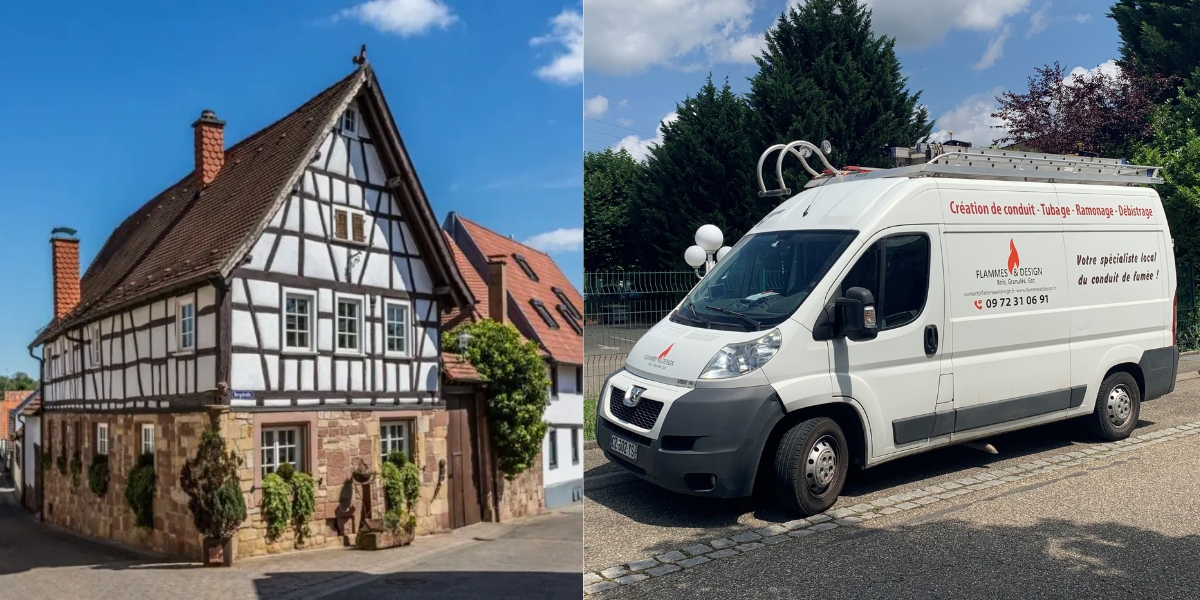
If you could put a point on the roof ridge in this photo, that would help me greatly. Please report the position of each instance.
(497, 233)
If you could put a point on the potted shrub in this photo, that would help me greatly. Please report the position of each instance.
(210, 480)
(402, 488)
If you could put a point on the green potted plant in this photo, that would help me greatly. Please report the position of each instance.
(215, 498)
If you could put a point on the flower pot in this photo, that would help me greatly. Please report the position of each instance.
(218, 552)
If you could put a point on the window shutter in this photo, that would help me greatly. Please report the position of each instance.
(358, 223)
(339, 224)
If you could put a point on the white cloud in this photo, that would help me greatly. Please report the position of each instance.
(623, 103)
(624, 122)
(1083, 18)
(640, 148)
(559, 240)
(566, 30)
(972, 120)
(595, 107)
(401, 17)
(918, 23)
(1108, 68)
(745, 48)
(1039, 21)
(995, 50)
(625, 37)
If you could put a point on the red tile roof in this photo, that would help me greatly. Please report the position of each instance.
(186, 236)
(9, 401)
(563, 344)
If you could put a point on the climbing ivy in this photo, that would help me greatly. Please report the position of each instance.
(98, 475)
(276, 504)
(401, 490)
(517, 385)
(289, 497)
(139, 491)
(76, 468)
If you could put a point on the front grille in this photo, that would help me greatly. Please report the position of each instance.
(632, 436)
(644, 415)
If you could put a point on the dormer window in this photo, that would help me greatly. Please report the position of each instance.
(349, 225)
(545, 314)
(570, 319)
(525, 267)
(566, 303)
(349, 122)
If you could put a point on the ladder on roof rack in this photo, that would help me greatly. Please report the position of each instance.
(974, 163)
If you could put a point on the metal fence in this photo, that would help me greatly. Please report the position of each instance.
(618, 307)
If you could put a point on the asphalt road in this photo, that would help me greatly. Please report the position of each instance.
(635, 520)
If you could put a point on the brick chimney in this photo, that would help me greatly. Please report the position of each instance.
(210, 147)
(64, 260)
(497, 288)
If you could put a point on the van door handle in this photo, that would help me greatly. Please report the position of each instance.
(931, 340)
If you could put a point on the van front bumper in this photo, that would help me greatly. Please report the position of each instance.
(709, 441)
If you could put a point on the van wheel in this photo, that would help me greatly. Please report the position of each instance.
(810, 466)
(1117, 407)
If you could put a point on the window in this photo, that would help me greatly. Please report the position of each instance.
(96, 344)
(349, 121)
(578, 379)
(566, 302)
(349, 323)
(101, 438)
(397, 327)
(552, 445)
(525, 266)
(187, 326)
(298, 321)
(905, 263)
(147, 439)
(393, 437)
(545, 314)
(570, 319)
(575, 433)
(349, 225)
(280, 445)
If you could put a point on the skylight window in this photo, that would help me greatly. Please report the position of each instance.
(525, 267)
(570, 319)
(566, 303)
(545, 314)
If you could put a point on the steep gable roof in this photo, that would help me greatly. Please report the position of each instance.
(563, 344)
(185, 235)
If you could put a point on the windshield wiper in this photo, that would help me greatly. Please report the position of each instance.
(692, 305)
(736, 314)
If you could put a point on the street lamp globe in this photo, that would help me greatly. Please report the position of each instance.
(695, 256)
(722, 252)
(709, 238)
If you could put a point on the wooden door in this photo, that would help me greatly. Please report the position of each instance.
(463, 461)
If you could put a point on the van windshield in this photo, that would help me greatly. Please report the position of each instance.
(763, 279)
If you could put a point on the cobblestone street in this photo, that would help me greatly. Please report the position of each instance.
(529, 558)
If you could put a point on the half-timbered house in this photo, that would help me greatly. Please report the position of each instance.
(527, 289)
(293, 284)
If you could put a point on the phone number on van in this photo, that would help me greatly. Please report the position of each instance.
(1012, 301)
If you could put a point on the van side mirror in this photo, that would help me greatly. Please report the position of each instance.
(855, 315)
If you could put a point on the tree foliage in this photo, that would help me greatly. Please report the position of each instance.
(139, 491)
(210, 479)
(609, 185)
(825, 76)
(19, 381)
(703, 172)
(517, 386)
(1175, 146)
(98, 475)
(1158, 37)
(1092, 111)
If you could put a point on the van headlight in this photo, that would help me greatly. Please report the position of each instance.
(738, 359)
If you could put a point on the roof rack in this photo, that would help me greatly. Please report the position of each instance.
(971, 163)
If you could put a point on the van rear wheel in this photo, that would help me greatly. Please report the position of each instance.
(810, 466)
(1117, 407)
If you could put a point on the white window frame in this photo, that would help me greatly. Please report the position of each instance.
(576, 434)
(311, 297)
(297, 446)
(354, 121)
(350, 213)
(179, 322)
(388, 443)
(97, 337)
(408, 328)
(552, 444)
(102, 438)
(338, 299)
(147, 439)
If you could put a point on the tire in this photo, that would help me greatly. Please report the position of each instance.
(1118, 405)
(811, 462)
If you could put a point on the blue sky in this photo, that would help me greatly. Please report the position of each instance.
(961, 54)
(100, 98)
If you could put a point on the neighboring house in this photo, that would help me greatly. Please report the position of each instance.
(26, 433)
(545, 308)
(292, 285)
(8, 401)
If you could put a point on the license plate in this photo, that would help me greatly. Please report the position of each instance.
(623, 447)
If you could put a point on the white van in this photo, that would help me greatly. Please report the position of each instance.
(881, 314)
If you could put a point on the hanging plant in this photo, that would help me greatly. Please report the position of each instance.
(402, 489)
(61, 463)
(289, 497)
(276, 504)
(76, 469)
(98, 475)
(517, 383)
(139, 491)
(304, 503)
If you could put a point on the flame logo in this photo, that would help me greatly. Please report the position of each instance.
(1014, 260)
(664, 352)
